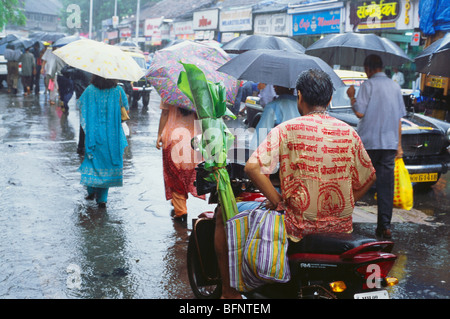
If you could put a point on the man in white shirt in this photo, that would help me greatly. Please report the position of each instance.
(398, 77)
(380, 107)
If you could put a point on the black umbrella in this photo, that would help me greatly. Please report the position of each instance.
(66, 40)
(275, 67)
(47, 36)
(20, 44)
(435, 59)
(350, 49)
(128, 44)
(8, 38)
(254, 42)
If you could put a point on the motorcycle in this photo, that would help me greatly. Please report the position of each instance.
(322, 266)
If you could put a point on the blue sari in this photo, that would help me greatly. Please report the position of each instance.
(105, 140)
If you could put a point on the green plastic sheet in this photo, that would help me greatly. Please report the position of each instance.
(210, 104)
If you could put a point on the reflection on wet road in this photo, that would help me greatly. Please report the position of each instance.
(55, 244)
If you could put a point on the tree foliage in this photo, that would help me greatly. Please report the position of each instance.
(102, 9)
(11, 12)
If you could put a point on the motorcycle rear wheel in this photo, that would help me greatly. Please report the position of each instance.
(213, 291)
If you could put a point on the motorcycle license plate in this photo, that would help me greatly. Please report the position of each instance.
(381, 294)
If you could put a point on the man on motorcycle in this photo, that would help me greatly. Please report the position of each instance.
(323, 169)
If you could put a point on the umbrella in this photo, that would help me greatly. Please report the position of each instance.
(275, 67)
(8, 38)
(46, 36)
(209, 100)
(20, 44)
(66, 40)
(254, 42)
(128, 44)
(350, 49)
(435, 58)
(165, 68)
(100, 59)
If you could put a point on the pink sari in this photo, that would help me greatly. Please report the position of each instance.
(179, 159)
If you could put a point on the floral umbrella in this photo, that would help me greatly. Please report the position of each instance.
(165, 69)
(209, 101)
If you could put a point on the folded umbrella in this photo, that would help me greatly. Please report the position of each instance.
(350, 49)
(435, 58)
(165, 68)
(276, 67)
(100, 59)
(255, 42)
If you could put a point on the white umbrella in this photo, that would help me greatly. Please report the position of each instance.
(100, 59)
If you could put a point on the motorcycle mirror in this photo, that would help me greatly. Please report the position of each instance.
(195, 142)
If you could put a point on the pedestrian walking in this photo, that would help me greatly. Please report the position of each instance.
(380, 107)
(176, 128)
(50, 66)
(12, 56)
(100, 108)
(65, 90)
(81, 81)
(28, 70)
(38, 57)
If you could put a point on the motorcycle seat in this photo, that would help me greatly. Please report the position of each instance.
(327, 243)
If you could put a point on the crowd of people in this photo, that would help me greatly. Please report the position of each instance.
(314, 194)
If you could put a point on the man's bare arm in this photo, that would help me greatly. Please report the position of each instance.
(263, 183)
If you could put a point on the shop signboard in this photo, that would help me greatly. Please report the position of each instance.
(375, 14)
(206, 20)
(319, 22)
(272, 24)
(236, 20)
(151, 30)
(183, 29)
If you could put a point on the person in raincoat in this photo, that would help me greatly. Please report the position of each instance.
(281, 109)
(176, 129)
(105, 140)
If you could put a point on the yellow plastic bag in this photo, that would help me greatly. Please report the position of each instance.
(403, 190)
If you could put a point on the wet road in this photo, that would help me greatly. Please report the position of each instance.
(55, 244)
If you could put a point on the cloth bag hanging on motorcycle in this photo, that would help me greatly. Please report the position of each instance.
(403, 190)
(257, 249)
(237, 232)
(266, 247)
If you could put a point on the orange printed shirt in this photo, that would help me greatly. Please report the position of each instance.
(320, 160)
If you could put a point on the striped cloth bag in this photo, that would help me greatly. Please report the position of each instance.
(257, 249)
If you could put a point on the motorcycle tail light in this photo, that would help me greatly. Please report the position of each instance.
(338, 286)
(391, 281)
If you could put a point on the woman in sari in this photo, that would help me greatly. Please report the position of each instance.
(176, 129)
(105, 140)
